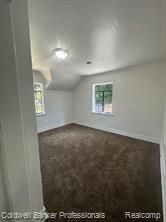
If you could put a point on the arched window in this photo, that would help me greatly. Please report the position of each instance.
(39, 98)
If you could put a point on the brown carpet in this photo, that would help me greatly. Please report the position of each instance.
(88, 170)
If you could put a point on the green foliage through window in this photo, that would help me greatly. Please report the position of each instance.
(103, 98)
(38, 96)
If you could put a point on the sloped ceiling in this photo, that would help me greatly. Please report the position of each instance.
(113, 34)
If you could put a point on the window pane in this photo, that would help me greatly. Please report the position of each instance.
(108, 102)
(103, 98)
(107, 97)
(99, 88)
(38, 97)
(99, 102)
(108, 87)
(38, 101)
(37, 86)
(103, 87)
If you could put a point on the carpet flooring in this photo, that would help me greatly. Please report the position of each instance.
(88, 170)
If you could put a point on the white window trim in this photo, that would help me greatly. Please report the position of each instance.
(43, 104)
(103, 113)
(93, 98)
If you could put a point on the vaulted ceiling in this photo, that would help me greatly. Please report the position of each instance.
(113, 34)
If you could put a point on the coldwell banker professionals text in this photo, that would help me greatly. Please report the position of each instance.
(41, 216)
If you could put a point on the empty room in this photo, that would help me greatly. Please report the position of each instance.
(83, 110)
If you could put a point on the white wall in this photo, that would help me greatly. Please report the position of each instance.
(137, 102)
(163, 150)
(17, 117)
(163, 163)
(58, 107)
(2, 199)
(3, 190)
(164, 135)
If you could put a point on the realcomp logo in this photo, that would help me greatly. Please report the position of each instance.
(142, 215)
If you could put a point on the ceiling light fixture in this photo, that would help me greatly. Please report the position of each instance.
(60, 53)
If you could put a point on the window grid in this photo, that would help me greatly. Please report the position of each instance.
(38, 97)
(103, 98)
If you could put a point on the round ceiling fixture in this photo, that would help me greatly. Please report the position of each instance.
(60, 53)
(88, 62)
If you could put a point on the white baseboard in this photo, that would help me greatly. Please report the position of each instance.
(53, 126)
(163, 178)
(121, 132)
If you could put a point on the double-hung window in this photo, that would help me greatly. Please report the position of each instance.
(39, 99)
(102, 98)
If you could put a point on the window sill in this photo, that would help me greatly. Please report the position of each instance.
(107, 114)
(40, 114)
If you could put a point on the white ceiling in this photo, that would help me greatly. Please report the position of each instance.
(113, 34)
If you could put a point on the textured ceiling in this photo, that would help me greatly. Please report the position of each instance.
(111, 34)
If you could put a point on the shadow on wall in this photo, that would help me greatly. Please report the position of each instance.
(59, 81)
(63, 81)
